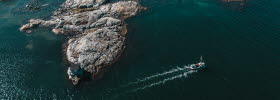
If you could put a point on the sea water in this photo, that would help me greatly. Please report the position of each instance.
(241, 48)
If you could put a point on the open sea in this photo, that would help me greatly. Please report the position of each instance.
(240, 45)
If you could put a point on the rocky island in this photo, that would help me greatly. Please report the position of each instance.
(96, 31)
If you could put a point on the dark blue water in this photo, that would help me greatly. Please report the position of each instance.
(240, 45)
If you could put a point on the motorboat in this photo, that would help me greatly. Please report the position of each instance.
(198, 66)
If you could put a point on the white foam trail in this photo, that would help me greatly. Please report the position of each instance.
(153, 80)
(185, 74)
(159, 75)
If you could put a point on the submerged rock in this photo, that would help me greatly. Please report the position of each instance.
(96, 30)
(236, 4)
(234, 0)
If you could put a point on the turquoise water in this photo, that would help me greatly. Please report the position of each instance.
(240, 48)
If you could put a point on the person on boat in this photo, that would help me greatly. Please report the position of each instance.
(197, 65)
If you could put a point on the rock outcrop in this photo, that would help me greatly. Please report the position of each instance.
(83, 3)
(96, 30)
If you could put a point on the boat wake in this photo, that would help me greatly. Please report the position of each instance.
(181, 75)
(171, 72)
(153, 80)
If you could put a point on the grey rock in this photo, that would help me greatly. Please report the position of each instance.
(83, 3)
(96, 31)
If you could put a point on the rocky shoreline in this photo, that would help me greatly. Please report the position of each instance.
(97, 33)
